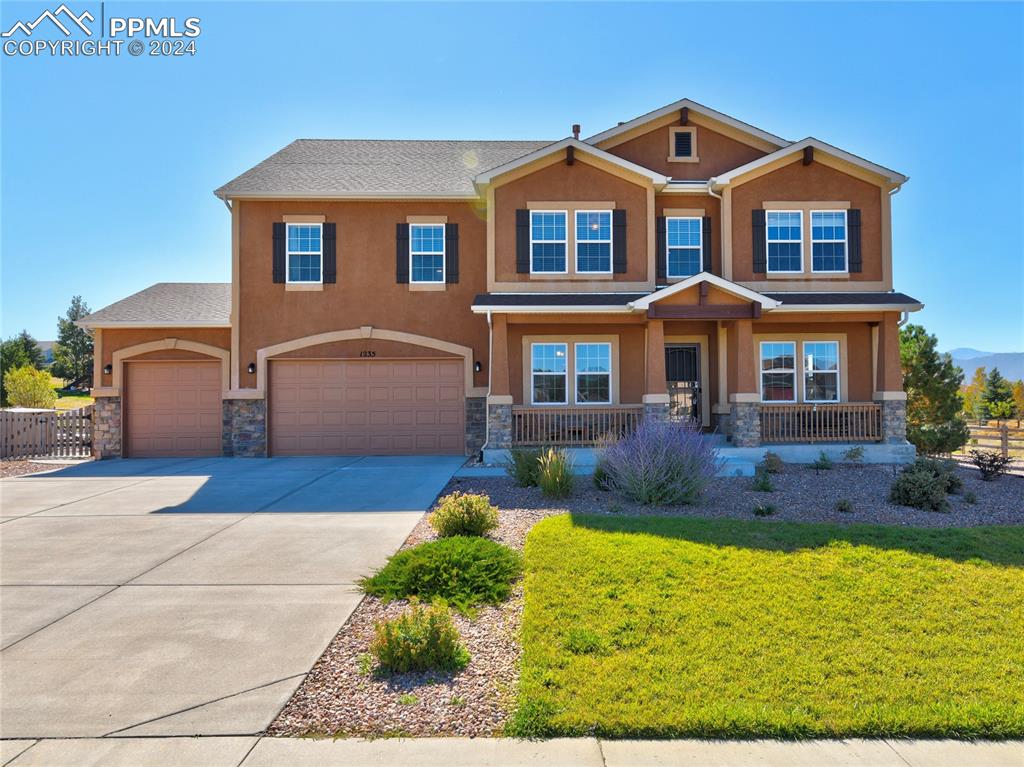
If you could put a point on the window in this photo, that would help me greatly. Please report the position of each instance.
(594, 373)
(548, 241)
(682, 144)
(778, 371)
(828, 240)
(426, 252)
(594, 241)
(821, 371)
(683, 239)
(304, 252)
(549, 373)
(785, 241)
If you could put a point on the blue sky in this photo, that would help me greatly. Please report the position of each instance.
(108, 165)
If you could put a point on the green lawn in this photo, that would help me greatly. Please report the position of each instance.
(657, 627)
(73, 401)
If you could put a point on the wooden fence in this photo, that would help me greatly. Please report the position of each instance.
(1001, 439)
(843, 422)
(46, 433)
(572, 426)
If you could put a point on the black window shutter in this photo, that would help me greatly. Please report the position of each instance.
(451, 253)
(279, 257)
(330, 253)
(760, 253)
(523, 241)
(619, 241)
(402, 253)
(705, 241)
(853, 237)
(661, 258)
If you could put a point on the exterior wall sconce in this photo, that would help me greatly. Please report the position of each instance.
(252, 367)
(478, 366)
(108, 369)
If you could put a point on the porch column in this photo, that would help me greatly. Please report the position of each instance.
(655, 398)
(499, 400)
(743, 396)
(889, 381)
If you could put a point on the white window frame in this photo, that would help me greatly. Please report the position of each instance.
(548, 242)
(288, 253)
(761, 372)
(845, 241)
(577, 242)
(700, 247)
(769, 241)
(576, 373)
(564, 374)
(443, 254)
(838, 372)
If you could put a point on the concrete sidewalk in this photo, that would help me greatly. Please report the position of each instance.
(500, 752)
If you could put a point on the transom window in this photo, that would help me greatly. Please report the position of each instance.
(594, 373)
(548, 241)
(426, 252)
(785, 240)
(683, 240)
(594, 241)
(304, 252)
(778, 371)
(828, 240)
(821, 371)
(548, 372)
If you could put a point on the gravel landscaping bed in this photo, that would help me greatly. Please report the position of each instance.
(21, 468)
(342, 696)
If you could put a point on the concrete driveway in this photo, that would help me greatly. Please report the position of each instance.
(184, 597)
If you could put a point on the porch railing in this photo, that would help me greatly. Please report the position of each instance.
(572, 426)
(841, 422)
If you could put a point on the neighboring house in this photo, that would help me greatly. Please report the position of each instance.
(434, 296)
(46, 347)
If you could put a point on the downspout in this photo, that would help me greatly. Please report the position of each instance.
(490, 367)
(711, 191)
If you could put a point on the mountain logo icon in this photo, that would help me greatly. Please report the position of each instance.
(55, 17)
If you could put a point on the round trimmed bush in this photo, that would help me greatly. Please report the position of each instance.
(420, 639)
(464, 514)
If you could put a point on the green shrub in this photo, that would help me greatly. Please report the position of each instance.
(764, 510)
(554, 476)
(464, 514)
(462, 571)
(845, 506)
(970, 498)
(992, 465)
(772, 463)
(420, 639)
(28, 387)
(944, 470)
(920, 487)
(523, 465)
(823, 463)
(854, 455)
(762, 482)
(601, 478)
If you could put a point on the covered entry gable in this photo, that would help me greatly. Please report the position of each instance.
(704, 296)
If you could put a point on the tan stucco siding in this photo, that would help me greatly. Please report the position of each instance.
(716, 153)
(115, 339)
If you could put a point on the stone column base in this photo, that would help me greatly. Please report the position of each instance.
(244, 433)
(894, 421)
(656, 411)
(476, 424)
(106, 428)
(499, 426)
(745, 424)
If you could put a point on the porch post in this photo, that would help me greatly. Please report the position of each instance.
(889, 381)
(499, 400)
(744, 397)
(655, 398)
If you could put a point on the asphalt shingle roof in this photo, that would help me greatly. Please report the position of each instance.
(556, 299)
(839, 299)
(185, 303)
(328, 167)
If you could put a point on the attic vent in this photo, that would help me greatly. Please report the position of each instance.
(683, 144)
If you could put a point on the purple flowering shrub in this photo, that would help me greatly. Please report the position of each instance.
(661, 463)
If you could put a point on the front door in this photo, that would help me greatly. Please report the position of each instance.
(682, 371)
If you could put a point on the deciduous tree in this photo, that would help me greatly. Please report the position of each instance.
(12, 356)
(28, 387)
(935, 423)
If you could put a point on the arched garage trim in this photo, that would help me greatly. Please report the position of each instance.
(120, 356)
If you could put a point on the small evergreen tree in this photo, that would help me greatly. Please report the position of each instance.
(12, 356)
(998, 395)
(30, 346)
(72, 354)
(935, 423)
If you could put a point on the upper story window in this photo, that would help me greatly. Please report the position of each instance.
(828, 240)
(821, 371)
(683, 240)
(785, 240)
(548, 241)
(682, 144)
(548, 373)
(426, 252)
(594, 241)
(305, 252)
(778, 371)
(593, 373)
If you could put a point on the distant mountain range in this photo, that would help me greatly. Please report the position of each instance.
(1010, 364)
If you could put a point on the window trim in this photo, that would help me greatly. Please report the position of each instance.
(443, 254)
(576, 373)
(563, 242)
(795, 370)
(700, 248)
(845, 241)
(837, 372)
(768, 241)
(564, 374)
(577, 242)
(672, 156)
(288, 253)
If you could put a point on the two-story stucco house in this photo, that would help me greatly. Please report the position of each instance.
(440, 296)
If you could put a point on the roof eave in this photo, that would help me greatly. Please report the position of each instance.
(513, 309)
(845, 308)
(387, 195)
(110, 324)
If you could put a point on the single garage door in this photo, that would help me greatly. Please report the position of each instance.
(366, 407)
(172, 409)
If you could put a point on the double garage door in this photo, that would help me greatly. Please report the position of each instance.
(366, 407)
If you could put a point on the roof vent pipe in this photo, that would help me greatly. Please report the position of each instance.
(576, 131)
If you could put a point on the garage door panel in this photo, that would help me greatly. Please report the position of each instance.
(173, 409)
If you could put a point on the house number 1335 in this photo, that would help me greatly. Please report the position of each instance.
(367, 353)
